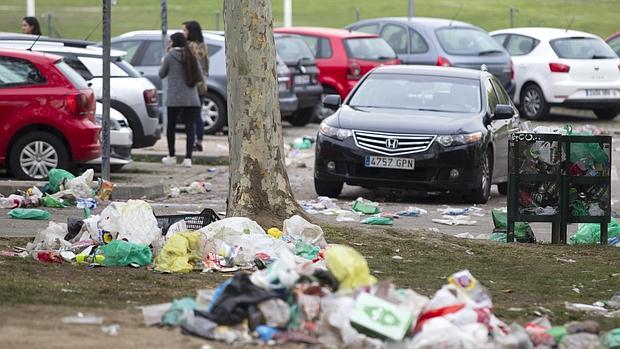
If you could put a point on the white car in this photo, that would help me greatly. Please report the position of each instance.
(121, 138)
(559, 67)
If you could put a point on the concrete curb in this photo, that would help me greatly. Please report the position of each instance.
(121, 191)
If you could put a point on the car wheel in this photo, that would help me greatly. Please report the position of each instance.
(323, 112)
(303, 116)
(116, 168)
(37, 153)
(533, 103)
(607, 113)
(502, 188)
(213, 113)
(482, 193)
(327, 188)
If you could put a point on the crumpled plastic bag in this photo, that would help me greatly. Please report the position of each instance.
(348, 266)
(612, 339)
(181, 310)
(179, 252)
(81, 186)
(134, 221)
(50, 238)
(335, 327)
(441, 333)
(300, 229)
(30, 213)
(57, 177)
(590, 233)
(121, 253)
(280, 274)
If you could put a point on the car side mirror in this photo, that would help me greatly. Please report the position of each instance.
(331, 102)
(503, 112)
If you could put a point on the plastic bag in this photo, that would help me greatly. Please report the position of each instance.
(441, 333)
(523, 231)
(280, 274)
(348, 266)
(378, 220)
(179, 252)
(50, 238)
(50, 201)
(57, 177)
(366, 206)
(590, 233)
(30, 213)
(121, 253)
(134, 221)
(580, 340)
(275, 233)
(306, 250)
(300, 229)
(466, 283)
(81, 186)
(180, 310)
(612, 339)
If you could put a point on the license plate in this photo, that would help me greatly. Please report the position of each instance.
(302, 79)
(388, 162)
(602, 93)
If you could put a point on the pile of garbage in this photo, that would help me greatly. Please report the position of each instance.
(63, 190)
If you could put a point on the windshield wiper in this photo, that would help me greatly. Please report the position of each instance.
(601, 57)
(382, 58)
(488, 52)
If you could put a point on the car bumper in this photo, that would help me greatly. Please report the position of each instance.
(288, 104)
(148, 140)
(308, 96)
(431, 173)
(563, 90)
(85, 144)
(596, 103)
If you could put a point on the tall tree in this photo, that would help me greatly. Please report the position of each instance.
(259, 186)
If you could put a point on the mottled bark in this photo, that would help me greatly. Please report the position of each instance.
(259, 186)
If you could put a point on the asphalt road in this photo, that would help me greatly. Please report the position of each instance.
(300, 174)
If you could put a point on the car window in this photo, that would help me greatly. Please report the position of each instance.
(152, 54)
(95, 66)
(325, 49)
(467, 41)
(615, 44)
(75, 78)
(502, 96)
(418, 44)
(582, 48)
(368, 28)
(492, 99)
(500, 38)
(519, 45)
(19, 72)
(127, 68)
(78, 67)
(293, 49)
(213, 49)
(418, 92)
(370, 49)
(396, 36)
(130, 46)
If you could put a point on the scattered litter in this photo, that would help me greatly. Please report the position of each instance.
(454, 220)
(378, 220)
(83, 319)
(412, 212)
(397, 257)
(365, 206)
(196, 187)
(565, 260)
(30, 213)
(111, 330)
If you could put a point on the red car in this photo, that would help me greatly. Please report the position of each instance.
(614, 42)
(47, 115)
(342, 56)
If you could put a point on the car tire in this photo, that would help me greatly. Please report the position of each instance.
(607, 113)
(502, 188)
(482, 193)
(304, 116)
(48, 148)
(328, 188)
(213, 113)
(532, 103)
(116, 168)
(323, 112)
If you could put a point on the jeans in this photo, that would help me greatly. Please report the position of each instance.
(186, 115)
(199, 123)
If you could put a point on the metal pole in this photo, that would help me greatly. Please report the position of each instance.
(105, 136)
(164, 38)
(288, 13)
(512, 17)
(217, 20)
(30, 8)
(410, 9)
(49, 25)
(357, 14)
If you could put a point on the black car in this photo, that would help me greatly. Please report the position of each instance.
(299, 58)
(419, 128)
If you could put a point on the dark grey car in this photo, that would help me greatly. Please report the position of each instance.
(144, 53)
(442, 42)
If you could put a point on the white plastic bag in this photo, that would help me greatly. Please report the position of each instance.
(299, 228)
(440, 333)
(281, 274)
(81, 186)
(133, 221)
(50, 238)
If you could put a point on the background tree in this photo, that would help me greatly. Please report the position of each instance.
(259, 185)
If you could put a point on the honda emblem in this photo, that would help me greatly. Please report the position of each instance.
(391, 143)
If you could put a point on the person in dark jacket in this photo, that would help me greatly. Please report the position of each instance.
(183, 73)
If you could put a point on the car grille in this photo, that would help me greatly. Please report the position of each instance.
(392, 143)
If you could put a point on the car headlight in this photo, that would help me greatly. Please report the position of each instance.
(334, 132)
(460, 139)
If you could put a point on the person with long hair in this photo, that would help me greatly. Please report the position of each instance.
(30, 25)
(183, 73)
(195, 41)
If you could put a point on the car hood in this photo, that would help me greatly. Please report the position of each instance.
(407, 121)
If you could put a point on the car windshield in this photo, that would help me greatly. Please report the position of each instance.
(582, 48)
(418, 92)
(369, 49)
(467, 42)
(293, 50)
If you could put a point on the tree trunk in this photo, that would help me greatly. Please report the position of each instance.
(259, 187)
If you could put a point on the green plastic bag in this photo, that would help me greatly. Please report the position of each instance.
(174, 315)
(30, 213)
(306, 250)
(612, 339)
(349, 267)
(590, 233)
(523, 231)
(56, 177)
(120, 253)
(50, 201)
(558, 332)
(366, 206)
(378, 220)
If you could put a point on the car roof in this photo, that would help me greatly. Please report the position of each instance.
(28, 37)
(544, 33)
(38, 57)
(44, 46)
(329, 32)
(150, 33)
(425, 21)
(431, 70)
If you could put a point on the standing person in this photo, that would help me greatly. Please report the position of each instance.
(30, 25)
(193, 34)
(183, 73)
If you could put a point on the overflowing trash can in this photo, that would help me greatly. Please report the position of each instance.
(559, 179)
